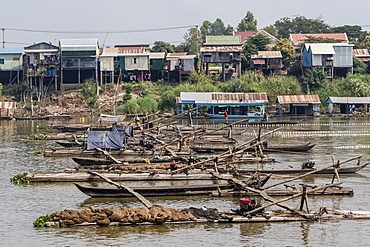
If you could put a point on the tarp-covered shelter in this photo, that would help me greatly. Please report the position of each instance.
(348, 105)
(300, 104)
(105, 139)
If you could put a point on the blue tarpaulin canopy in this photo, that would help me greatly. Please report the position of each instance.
(105, 139)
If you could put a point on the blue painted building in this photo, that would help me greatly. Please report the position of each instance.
(238, 105)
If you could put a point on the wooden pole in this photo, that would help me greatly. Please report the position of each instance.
(137, 195)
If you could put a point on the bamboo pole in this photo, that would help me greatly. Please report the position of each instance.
(137, 195)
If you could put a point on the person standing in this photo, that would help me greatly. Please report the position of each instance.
(226, 115)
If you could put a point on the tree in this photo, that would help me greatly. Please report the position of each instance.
(359, 67)
(193, 41)
(216, 28)
(300, 24)
(89, 91)
(248, 23)
(287, 50)
(242, 26)
(161, 46)
(353, 32)
(271, 30)
(254, 44)
(314, 78)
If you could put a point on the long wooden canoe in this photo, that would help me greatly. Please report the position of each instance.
(213, 189)
(155, 190)
(269, 148)
(342, 170)
(96, 161)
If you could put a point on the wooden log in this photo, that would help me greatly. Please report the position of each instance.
(137, 195)
(109, 155)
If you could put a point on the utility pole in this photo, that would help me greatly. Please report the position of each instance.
(3, 30)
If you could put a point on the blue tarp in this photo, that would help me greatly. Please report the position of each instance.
(127, 129)
(105, 139)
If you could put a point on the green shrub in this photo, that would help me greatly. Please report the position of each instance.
(19, 179)
(40, 221)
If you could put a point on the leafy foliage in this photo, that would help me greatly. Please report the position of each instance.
(300, 24)
(314, 78)
(215, 28)
(40, 221)
(359, 67)
(36, 137)
(161, 46)
(89, 91)
(287, 50)
(19, 179)
(248, 23)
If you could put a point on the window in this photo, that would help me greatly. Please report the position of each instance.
(1, 60)
(134, 60)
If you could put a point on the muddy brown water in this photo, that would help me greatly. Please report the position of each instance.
(21, 204)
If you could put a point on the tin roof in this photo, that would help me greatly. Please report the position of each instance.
(267, 54)
(157, 55)
(298, 99)
(223, 40)
(11, 50)
(214, 98)
(320, 48)
(178, 54)
(124, 51)
(361, 52)
(78, 44)
(298, 38)
(348, 100)
(224, 48)
(244, 35)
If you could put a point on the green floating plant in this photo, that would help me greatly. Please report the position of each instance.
(36, 137)
(42, 127)
(19, 179)
(40, 221)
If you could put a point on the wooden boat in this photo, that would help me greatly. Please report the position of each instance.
(68, 144)
(212, 189)
(269, 148)
(341, 170)
(64, 152)
(155, 190)
(73, 176)
(96, 161)
(287, 148)
(29, 118)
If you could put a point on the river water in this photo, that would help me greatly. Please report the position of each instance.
(22, 204)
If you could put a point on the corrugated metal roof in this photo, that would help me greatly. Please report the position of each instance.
(223, 98)
(178, 54)
(223, 40)
(78, 44)
(11, 51)
(361, 52)
(348, 100)
(298, 38)
(321, 48)
(267, 54)
(230, 48)
(157, 55)
(298, 99)
(188, 57)
(259, 61)
(244, 35)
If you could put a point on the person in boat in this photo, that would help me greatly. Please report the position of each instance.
(308, 165)
(247, 205)
(173, 166)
